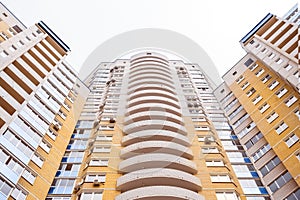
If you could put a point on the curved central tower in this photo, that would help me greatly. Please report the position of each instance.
(157, 161)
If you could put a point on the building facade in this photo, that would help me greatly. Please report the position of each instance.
(40, 104)
(260, 96)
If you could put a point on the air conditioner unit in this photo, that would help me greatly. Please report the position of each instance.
(96, 182)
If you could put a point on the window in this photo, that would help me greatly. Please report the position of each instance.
(104, 138)
(280, 181)
(273, 85)
(102, 149)
(250, 92)
(294, 196)
(206, 150)
(201, 128)
(264, 50)
(279, 61)
(220, 178)
(256, 99)
(259, 72)
(29, 176)
(264, 107)
(253, 67)
(248, 62)
(254, 140)
(257, 155)
(288, 67)
(214, 163)
(4, 54)
(279, 129)
(258, 46)
(271, 55)
(246, 130)
(272, 117)
(266, 78)
(245, 85)
(45, 146)
(38, 160)
(19, 194)
(92, 177)
(62, 186)
(96, 162)
(270, 165)
(297, 113)
(281, 92)
(90, 196)
(290, 101)
(5, 188)
(291, 140)
(226, 196)
(239, 79)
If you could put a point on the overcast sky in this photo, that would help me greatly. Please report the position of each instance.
(216, 25)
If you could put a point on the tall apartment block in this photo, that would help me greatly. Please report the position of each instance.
(40, 103)
(151, 128)
(260, 96)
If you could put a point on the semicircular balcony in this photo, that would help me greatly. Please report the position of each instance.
(150, 71)
(148, 61)
(154, 125)
(156, 147)
(153, 114)
(152, 99)
(160, 193)
(159, 93)
(158, 176)
(153, 107)
(157, 160)
(150, 135)
(147, 81)
(151, 76)
(147, 67)
(155, 86)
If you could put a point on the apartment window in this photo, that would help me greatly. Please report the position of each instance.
(273, 85)
(257, 155)
(102, 149)
(254, 140)
(62, 186)
(206, 150)
(266, 78)
(97, 162)
(245, 85)
(45, 146)
(291, 140)
(281, 92)
(105, 138)
(270, 166)
(259, 72)
(279, 129)
(250, 92)
(90, 196)
(264, 107)
(92, 177)
(29, 176)
(226, 196)
(297, 113)
(256, 99)
(296, 74)
(288, 67)
(239, 79)
(290, 101)
(38, 160)
(19, 194)
(220, 178)
(280, 181)
(272, 117)
(214, 163)
(5, 188)
(248, 62)
(271, 55)
(20, 43)
(279, 61)
(4, 54)
(294, 196)
(253, 67)
(246, 130)
(201, 128)
(264, 50)
(258, 46)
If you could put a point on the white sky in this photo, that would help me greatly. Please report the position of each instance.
(216, 25)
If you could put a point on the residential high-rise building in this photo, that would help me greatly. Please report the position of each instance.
(146, 126)
(151, 128)
(260, 96)
(40, 102)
